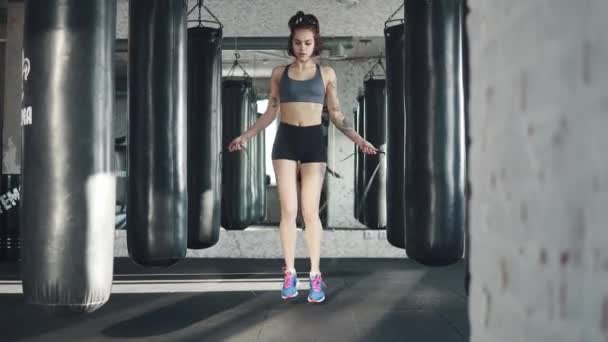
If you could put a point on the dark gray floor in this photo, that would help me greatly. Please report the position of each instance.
(368, 300)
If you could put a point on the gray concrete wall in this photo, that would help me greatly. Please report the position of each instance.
(539, 170)
(269, 18)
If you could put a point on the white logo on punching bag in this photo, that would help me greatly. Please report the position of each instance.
(26, 109)
(9, 200)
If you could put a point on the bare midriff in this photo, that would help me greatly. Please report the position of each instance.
(300, 113)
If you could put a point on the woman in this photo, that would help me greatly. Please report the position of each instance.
(298, 91)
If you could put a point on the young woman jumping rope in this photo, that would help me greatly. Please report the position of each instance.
(298, 92)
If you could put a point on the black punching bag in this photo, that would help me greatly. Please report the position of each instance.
(435, 149)
(359, 159)
(204, 135)
(68, 186)
(395, 136)
(374, 180)
(236, 170)
(157, 199)
(9, 217)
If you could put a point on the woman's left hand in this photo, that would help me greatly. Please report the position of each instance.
(366, 147)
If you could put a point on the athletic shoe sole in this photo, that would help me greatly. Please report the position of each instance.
(290, 297)
(316, 301)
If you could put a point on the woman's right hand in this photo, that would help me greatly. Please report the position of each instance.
(366, 147)
(237, 144)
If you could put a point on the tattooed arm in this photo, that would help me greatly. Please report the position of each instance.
(272, 109)
(337, 117)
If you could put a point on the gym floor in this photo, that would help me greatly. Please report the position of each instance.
(238, 300)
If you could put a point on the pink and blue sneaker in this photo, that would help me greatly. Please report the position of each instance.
(290, 285)
(317, 292)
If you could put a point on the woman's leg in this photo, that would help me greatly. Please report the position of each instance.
(312, 182)
(285, 171)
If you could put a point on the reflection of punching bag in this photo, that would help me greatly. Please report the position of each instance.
(204, 135)
(467, 94)
(254, 190)
(355, 162)
(157, 206)
(68, 189)
(374, 201)
(395, 136)
(435, 157)
(9, 217)
(261, 175)
(120, 167)
(359, 159)
(236, 172)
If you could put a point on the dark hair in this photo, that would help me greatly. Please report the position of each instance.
(304, 21)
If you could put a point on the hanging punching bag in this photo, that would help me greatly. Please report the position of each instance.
(9, 216)
(395, 136)
(2, 243)
(68, 189)
(3, 233)
(359, 159)
(374, 183)
(435, 147)
(236, 172)
(204, 135)
(157, 198)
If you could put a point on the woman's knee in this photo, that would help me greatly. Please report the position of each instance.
(289, 214)
(310, 216)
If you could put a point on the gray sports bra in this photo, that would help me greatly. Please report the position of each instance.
(312, 90)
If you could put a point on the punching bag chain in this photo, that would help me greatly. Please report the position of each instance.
(200, 17)
(370, 74)
(199, 6)
(237, 64)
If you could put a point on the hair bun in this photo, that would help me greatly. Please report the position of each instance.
(294, 19)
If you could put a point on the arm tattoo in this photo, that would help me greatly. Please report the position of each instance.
(341, 122)
(332, 85)
(344, 125)
(273, 102)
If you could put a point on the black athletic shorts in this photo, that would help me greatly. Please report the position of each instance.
(300, 143)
